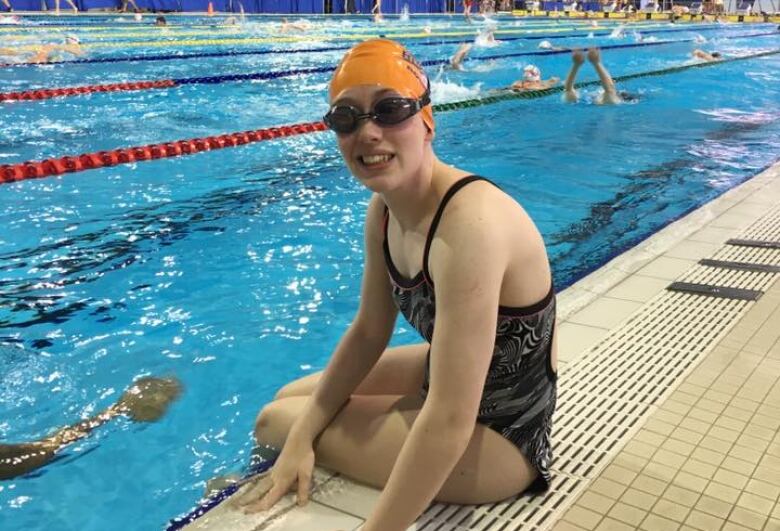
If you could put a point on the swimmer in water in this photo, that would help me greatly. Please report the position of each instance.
(532, 80)
(609, 95)
(709, 57)
(547, 45)
(160, 21)
(146, 400)
(456, 62)
(300, 26)
(46, 53)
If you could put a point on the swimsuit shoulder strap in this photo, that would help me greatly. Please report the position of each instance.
(457, 186)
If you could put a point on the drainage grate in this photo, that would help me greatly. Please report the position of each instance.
(767, 244)
(767, 228)
(752, 255)
(728, 278)
(716, 291)
(525, 513)
(742, 266)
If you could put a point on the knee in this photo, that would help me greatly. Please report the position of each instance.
(265, 423)
(287, 390)
(274, 422)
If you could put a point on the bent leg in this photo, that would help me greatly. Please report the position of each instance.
(399, 371)
(363, 442)
(606, 82)
(569, 92)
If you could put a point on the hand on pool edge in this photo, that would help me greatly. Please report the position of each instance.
(291, 468)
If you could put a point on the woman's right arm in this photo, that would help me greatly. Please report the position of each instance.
(364, 340)
(355, 355)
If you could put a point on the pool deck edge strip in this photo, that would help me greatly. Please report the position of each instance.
(69, 164)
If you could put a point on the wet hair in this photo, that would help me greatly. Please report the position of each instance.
(628, 96)
(161, 21)
(715, 54)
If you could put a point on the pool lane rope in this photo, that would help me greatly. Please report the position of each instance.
(173, 56)
(10, 173)
(152, 31)
(63, 92)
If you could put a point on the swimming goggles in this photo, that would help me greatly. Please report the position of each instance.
(344, 119)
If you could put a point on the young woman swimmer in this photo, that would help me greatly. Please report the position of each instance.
(465, 416)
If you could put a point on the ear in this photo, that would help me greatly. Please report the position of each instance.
(429, 135)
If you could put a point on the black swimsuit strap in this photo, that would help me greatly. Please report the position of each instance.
(437, 218)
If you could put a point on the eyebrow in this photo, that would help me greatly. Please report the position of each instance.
(378, 96)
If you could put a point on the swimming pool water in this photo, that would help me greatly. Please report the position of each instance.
(237, 270)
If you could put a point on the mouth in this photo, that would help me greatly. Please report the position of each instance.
(375, 161)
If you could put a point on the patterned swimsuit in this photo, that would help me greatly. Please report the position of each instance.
(520, 391)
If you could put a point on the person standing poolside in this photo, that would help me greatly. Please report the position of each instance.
(609, 95)
(532, 80)
(7, 5)
(57, 6)
(146, 400)
(123, 6)
(465, 416)
(377, 12)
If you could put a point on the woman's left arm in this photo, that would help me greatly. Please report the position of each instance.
(469, 267)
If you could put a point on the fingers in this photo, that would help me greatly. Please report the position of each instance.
(268, 501)
(304, 486)
(258, 487)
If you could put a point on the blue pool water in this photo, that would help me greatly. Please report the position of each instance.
(236, 270)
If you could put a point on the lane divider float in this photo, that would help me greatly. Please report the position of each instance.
(172, 57)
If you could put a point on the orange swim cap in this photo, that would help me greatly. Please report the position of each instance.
(386, 63)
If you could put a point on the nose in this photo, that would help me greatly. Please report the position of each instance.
(368, 129)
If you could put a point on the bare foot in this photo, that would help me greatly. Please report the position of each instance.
(148, 398)
(594, 55)
(577, 57)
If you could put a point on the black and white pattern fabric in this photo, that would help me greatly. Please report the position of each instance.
(519, 397)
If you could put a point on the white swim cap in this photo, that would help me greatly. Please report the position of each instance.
(532, 73)
(545, 45)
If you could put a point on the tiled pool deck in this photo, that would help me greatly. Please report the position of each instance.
(669, 415)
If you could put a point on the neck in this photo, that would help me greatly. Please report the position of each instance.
(415, 203)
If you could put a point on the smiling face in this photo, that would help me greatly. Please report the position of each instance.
(383, 158)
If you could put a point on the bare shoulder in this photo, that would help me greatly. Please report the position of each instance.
(482, 210)
(488, 229)
(375, 213)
